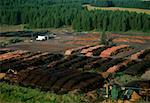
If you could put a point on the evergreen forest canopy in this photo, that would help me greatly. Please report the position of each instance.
(59, 13)
(143, 4)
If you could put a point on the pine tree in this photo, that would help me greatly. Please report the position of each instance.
(77, 23)
(103, 38)
(85, 22)
(146, 25)
(105, 23)
(123, 25)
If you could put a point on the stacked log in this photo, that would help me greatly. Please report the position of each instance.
(138, 68)
(108, 52)
(69, 63)
(5, 50)
(82, 63)
(96, 52)
(84, 51)
(128, 40)
(96, 64)
(10, 55)
(8, 64)
(116, 68)
(75, 50)
(54, 64)
(110, 63)
(140, 55)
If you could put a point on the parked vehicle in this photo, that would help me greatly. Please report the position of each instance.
(45, 37)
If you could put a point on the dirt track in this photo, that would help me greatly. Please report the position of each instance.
(68, 40)
(59, 44)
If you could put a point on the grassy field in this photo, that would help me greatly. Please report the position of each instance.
(89, 7)
(9, 28)
(134, 33)
(16, 94)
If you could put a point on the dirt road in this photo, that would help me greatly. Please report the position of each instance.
(60, 44)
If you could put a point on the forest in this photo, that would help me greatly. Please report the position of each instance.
(60, 13)
(123, 3)
(145, 4)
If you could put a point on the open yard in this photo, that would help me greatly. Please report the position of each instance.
(59, 44)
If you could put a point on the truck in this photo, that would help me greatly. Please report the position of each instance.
(45, 37)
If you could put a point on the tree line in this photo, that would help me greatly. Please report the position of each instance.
(59, 15)
(122, 3)
(145, 4)
(41, 2)
(112, 21)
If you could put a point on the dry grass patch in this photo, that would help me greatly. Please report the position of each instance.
(89, 7)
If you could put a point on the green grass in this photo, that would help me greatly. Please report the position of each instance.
(16, 94)
(6, 28)
(138, 34)
(26, 27)
(124, 78)
(8, 41)
(134, 33)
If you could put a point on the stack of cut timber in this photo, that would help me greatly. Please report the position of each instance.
(72, 51)
(109, 51)
(84, 51)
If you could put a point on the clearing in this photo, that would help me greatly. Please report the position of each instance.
(89, 7)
